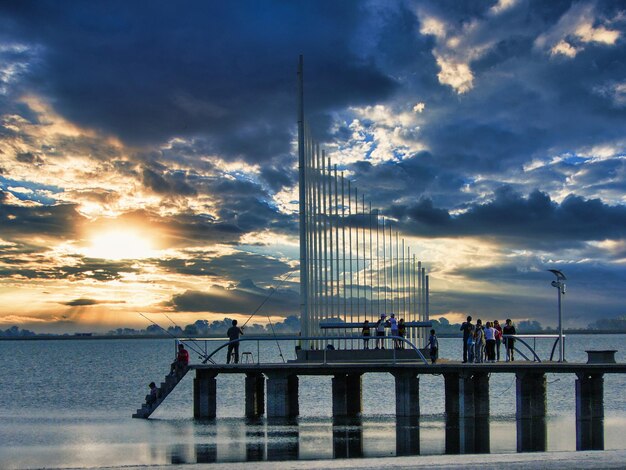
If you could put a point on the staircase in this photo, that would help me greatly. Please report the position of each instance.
(171, 380)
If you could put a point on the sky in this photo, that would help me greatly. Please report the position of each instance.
(148, 152)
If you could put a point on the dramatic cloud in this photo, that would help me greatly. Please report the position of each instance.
(148, 152)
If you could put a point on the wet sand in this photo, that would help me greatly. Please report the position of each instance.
(614, 459)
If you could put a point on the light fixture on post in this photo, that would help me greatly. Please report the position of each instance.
(560, 285)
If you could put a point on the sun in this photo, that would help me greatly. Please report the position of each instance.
(120, 244)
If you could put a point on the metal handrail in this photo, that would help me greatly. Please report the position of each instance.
(258, 339)
(531, 349)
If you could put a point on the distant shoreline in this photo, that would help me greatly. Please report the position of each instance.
(101, 337)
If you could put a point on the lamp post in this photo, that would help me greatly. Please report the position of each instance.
(560, 285)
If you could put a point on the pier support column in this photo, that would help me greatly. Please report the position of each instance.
(255, 395)
(407, 394)
(589, 411)
(204, 395)
(474, 412)
(531, 412)
(451, 381)
(347, 399)
(282, 395)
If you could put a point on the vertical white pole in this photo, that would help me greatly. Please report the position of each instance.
(330, 244)
(371, 268)
(384, 269)
(350, 243)
(342, 315)
(320, 222)
(304, 312)
(420, 303)
(358, 274)
(403, 280)
(343, 243)
(377, 265)
(364, 260)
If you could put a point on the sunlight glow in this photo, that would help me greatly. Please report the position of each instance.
(120, 244)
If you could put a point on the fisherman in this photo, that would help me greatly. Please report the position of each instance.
(179, 366)
(153, 395)
(233, 334)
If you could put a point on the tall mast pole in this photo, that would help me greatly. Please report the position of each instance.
(304, 311)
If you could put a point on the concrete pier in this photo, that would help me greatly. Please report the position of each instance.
(347, 399)
(531, 408)
(255, 394)
(205, 395)
(589, 411)
(407, 394)
(282, 395)
(466, 398)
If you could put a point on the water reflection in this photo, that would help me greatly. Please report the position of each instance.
(347, 437)
(407, 436)
(260, 440)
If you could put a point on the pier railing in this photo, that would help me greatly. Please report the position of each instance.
(533, 349)
(208, 357)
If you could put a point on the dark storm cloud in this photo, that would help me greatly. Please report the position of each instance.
(246, 297)
(18, 221)
(152, 72)
(82, 302)
(523, 290)
(235, 267)
(40, 266)
(174, 183)
(535, 220)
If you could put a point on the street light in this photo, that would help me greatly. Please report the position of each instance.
(560, 285)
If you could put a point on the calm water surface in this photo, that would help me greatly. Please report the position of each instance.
(68, 404)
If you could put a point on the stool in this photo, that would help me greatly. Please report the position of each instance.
(247, 358)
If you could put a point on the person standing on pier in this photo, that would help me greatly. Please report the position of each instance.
(498, 328)
(233, 334)
(509, 342)
(401, 331)
(380, 332)
(365, 332)
(393, 323)
(433, 345)
(467, 329)
(490, 339)
(469, 345)
(479, 342)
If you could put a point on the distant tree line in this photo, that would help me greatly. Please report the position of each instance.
(289, 325)
(15, 331)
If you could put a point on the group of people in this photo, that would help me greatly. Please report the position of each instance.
(397, 328)
(482, 343)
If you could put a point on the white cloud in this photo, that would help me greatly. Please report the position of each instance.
(502, 6)
(456, 74)
(564, 48)
(575, 29)
(419, 107)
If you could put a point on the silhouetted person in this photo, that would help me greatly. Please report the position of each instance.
(179, 366)
(467, 329)
(233, 334)
(433, 345)
(509, 329)
(153, 395)
(365, 332)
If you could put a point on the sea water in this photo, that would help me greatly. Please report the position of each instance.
(69, 404)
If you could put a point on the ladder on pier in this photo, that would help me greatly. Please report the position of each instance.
(171, 380)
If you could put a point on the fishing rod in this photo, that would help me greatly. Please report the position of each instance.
(199, 353)
(193, 340)
(267, 297)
